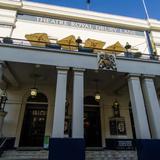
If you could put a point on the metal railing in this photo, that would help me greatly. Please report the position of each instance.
(76, 48)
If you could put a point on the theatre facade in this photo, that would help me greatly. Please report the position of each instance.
(78, 78)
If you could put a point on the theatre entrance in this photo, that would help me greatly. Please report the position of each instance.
(92, 125)
(33, 129)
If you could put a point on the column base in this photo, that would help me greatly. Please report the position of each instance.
(66, 148)
(148, 149)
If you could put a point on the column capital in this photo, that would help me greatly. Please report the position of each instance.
(62, 68)
(79, 69)
(133, 75)
(148, 76)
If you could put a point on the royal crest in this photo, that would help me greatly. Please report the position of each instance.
(106, 62)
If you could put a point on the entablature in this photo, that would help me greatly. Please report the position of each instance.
(54, 57)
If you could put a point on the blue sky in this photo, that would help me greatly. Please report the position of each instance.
(132, 8)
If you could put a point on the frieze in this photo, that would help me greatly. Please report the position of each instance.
(75, 24)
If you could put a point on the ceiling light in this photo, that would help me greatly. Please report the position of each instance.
(97, 94)
(34, 92)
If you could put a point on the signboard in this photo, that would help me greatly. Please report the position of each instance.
(77, 24)
(117, 126)
(46, 142)
(120, 144)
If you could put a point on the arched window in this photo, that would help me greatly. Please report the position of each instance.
(34, 122)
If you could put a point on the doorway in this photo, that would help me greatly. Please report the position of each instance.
(92, 123)
(34, 122)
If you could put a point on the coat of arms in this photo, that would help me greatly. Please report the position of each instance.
(107, 62)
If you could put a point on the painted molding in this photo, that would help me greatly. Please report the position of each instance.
(74, 59)
(90, 16)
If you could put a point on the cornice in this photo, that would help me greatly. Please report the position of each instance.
(10, 3)
(7, 17)
(154, 24)
(77, 14)
(91, 16)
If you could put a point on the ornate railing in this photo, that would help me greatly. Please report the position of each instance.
(56, 46)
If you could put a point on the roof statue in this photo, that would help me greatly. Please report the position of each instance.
(117, 48)
(95, 44)
(68, 43)
(37, 39)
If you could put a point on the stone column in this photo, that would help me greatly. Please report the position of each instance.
(2, 112)
(1, 71)
(2, 116)
(78, 106)
(138, 108)
(152, 105)
(60, 100)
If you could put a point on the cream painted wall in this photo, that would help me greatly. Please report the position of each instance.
(16, 107)
(106, 113)
(107, 102)
(7, 22)
(58, 32)
(5, 31)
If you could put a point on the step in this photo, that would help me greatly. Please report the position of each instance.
(90, 155)
(111, 155)
(24, 155)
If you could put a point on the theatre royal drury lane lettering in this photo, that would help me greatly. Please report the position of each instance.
(75, 24)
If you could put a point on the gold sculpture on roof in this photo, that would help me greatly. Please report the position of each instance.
(37, 39)
(97, 45)
(93, 43)
(116, 48)
(68, 43)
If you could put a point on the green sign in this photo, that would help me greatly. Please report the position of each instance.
(46, 142)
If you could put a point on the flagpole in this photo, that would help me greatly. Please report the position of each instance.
(88, 4)
(151, 42)
(145, 8)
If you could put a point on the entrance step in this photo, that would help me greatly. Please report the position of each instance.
(24, 155)
(90, 155)
(111, 155)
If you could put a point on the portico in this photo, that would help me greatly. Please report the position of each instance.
(72, 83)
(81, 84)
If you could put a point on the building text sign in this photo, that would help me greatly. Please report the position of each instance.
(82, 25)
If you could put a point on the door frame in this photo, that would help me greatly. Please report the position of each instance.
(22, 112)
(100, 121)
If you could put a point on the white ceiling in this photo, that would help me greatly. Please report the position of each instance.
(108, 81)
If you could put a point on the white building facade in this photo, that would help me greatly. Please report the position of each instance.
(67, 79)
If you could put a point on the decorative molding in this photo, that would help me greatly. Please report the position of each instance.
(51, 10)
(89, 15)
(107, 62)
(7, 17)
(11, 3)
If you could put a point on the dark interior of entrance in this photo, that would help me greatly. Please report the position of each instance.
(33, 129)
(92, 125)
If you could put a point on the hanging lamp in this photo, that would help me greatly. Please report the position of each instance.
(97, 94)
